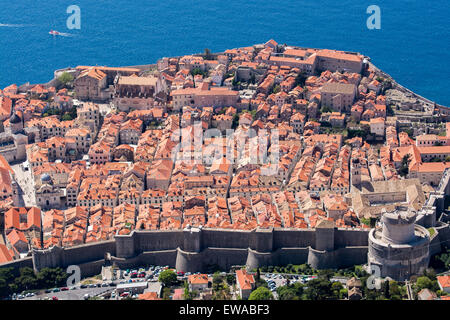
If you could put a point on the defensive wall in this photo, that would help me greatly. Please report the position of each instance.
(197, 249)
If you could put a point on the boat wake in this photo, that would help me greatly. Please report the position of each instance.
(62, 34)
(66, 34)
(8, 25)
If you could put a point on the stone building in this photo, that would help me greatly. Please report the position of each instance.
(339, 96)
(47, 194)
(95, 83)
(135, 93)
(373, 198)
(13, 141)
(339, 61)
(204, 97)
(90, 84)
(400, 248)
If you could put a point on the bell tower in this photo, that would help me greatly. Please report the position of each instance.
(356, 173)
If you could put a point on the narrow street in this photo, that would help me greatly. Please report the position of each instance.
(409, 290)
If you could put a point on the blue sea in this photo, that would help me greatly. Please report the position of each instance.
(412, 45)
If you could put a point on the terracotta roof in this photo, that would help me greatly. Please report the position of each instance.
(444, 281)
(198, 279)
(245, 280)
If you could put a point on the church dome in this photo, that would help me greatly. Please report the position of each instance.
(46, 178)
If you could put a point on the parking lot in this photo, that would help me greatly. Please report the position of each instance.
(74, 293)
(106, 289)
(275, 280)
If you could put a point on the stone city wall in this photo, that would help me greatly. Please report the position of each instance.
(198, 249)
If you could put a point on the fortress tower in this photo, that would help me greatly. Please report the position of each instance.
(400, 248)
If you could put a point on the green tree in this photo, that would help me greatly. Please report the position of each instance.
(304, 269)
(65, 78)
(291, 292)
(66, 117)
(168, 277)
(319, 289)
(389, 110)
(326, 109)
(442, 260)
(217, 283)
(207, 54)
(426, 283)
(166, 293)
(187, 294)
(27, 279)
(386, 289)
(197, 71)
(235, 122)
(409, 131)
(48, 277)
(404, 168)
(235, 83)
(336, 288)
(386, 85)
(326, 273)
(261, 293)
(231, 278)
(6, 278)
(276, 89)
(395, 291)
(300, 79)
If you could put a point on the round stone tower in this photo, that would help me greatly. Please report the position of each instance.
(398, 226)
(400, 248)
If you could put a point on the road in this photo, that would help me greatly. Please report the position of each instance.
(77, 294)
(409, 290)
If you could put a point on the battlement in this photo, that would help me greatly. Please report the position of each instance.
(195, 249)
